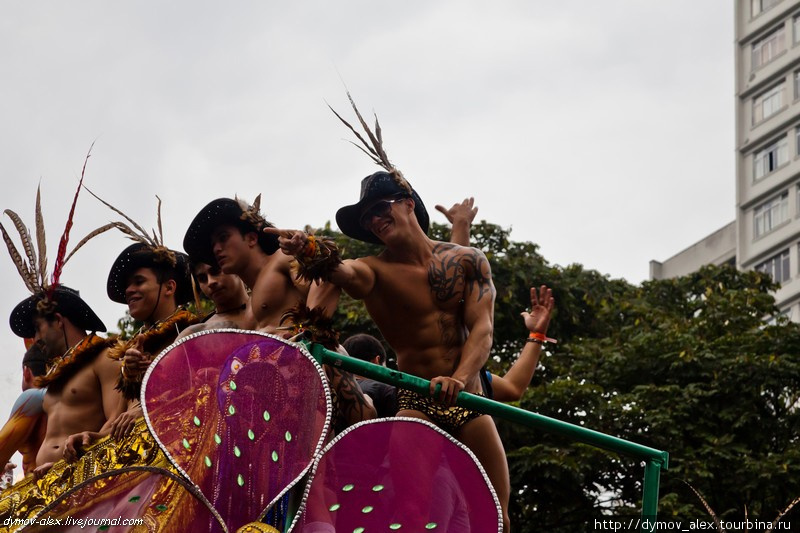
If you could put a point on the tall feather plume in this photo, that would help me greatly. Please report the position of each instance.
(58, 266)
(29, 280)
(374, 148)
(27, 243)
(142, 233)
(160, 240)
(41, 243)
(102, 229)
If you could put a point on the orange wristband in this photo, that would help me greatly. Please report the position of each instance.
(540, 338)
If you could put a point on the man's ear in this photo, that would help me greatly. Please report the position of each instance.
(169, 287)
(251, 239)
(27, 374)
(59, 320)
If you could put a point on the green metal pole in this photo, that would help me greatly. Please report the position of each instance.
(652, 477)
(491, 407)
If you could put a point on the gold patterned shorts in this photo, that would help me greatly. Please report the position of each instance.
(447, 418)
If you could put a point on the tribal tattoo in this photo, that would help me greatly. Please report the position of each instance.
(451, 272)
(350, 401)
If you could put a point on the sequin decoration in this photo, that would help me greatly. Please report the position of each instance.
(237, 452)
(334, 507)
(240, 480)
(186, 444)
(266, 416)
(288, 437)
(275, 457)
(250, 434)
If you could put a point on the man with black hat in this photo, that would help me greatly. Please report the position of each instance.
(154, 282)
(80, 383)
(432, 301)
(230, 234)
(227, 233)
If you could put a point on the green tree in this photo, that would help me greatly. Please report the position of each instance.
(702, 366)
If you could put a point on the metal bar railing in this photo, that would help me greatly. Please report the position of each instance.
(655, 460)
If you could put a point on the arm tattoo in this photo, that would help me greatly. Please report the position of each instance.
(447, 273)
(351, 404)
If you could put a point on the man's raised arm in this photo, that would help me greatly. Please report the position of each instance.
(318, 260)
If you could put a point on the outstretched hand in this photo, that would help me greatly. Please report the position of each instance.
(291, 241)
(542, 304)
(464, 211)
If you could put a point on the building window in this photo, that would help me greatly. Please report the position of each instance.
(767, 104)
(797, 85)
(759, 6)
(777, 267)
(796, 29)
(770, 158)
(768, 48)
(770, 214)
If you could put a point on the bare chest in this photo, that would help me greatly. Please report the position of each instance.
(81, 389)
(274, 293)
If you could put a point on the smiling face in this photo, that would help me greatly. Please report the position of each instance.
(232, 249)
(383, 217)
(146, 296)
(222, 289)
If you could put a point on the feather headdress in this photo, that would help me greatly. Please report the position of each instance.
(154, 241)
(374, 148)
(32, 267)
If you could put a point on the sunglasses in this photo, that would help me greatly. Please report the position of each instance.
(379, 209)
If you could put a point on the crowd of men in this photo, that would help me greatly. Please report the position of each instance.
(432, 302)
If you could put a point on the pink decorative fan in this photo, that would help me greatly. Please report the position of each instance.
(241, 414)
(398, 474)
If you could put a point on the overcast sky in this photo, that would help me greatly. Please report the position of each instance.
(603, 131)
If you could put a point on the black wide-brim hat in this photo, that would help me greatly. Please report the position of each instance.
(67, 302)
(222, 211)
(376, 187)
(140, 255)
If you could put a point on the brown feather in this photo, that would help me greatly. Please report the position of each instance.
(372, 153)
(16, 258)
(142, 233)
(160, 230)
(98, 231)
(27, 245)
(40, 237)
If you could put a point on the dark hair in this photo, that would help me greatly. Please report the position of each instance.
(365, 347)
(35, 359)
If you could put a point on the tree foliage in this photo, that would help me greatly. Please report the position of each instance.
(702, 366)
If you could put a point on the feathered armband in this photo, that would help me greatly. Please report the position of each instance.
(318, 259)
(312, 322)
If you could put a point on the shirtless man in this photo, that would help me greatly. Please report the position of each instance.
(229, 233)
(229, 294)
(80, 387)
(433, 303)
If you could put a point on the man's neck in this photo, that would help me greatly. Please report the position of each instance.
(162, 314)
(249, 274)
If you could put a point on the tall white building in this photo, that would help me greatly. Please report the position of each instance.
(766, 232)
